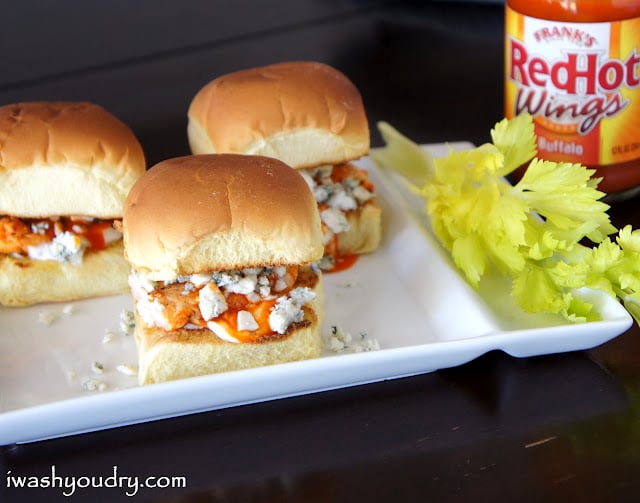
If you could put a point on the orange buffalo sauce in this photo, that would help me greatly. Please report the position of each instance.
(341, 261)
(344, 261)
(260, 312)
(575, 67)
(94, 233)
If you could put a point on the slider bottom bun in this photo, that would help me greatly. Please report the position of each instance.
(25, 282)
(166, 356)
(365, 230)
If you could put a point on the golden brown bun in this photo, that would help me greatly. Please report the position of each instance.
(215, 212)
(306, 114)
(25, 282)
(165, 356)
(365, 230)
(65, 158)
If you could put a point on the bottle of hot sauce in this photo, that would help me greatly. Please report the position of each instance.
(574, 65)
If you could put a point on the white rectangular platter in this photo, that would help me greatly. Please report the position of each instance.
(406, 296)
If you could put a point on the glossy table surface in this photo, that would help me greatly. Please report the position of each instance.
(550, 428)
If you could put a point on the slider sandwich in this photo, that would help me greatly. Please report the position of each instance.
(65, 171)
(220, 248)
(310, 116)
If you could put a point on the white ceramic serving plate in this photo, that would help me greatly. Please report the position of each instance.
(406, 295)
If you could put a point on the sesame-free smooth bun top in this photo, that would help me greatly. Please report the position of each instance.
(304, 113)
(217, 212)
(65, 158)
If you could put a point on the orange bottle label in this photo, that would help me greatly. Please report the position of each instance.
(580, 82)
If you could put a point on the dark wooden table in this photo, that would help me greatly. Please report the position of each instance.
(552, 428)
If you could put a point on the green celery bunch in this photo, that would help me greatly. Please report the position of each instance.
(531, 231)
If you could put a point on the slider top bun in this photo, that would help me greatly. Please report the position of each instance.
(218, 212)
(65, 158)
(304, 113)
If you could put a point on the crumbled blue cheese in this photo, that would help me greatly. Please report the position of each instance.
(283, 281)
(288, 309)
(152, 312)
(341, 341)
(46, 317)
(211, 302)
(347, 195)
(361, 194)
(244, 285)
(326, 263)
(108, 337)
(302, 295)
(342, 200)
(246, 321)
(66, 247)
(197, 279)
(97, 367)
(94, 385)
(322, 174)
(237, 281)
(321, 193)
(40, 227)
(68, 310)
(284, 313)
(127, 369)
(127, 322)
(335, 220)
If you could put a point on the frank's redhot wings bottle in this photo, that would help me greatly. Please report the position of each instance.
(575, 67)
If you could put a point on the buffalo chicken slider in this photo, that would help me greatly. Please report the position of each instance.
(310, 116)
(221, 248)
(65, 171)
